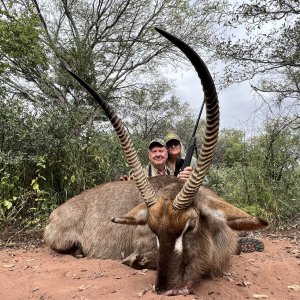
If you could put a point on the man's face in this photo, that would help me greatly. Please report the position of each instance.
(158, 155)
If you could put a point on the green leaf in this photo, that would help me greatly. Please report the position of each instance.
(73, 178)
(7, 204)
(35, 186)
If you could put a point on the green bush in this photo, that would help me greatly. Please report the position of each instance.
(265, 178)
(47, 158)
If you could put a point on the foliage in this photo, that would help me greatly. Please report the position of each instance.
(54, 141)
(230, 148)
(152, 112)
(261, 44)
(20, 41)
(264, 179)
(111, 44)
(43, 160)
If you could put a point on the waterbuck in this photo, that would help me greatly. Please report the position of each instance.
(183, 230)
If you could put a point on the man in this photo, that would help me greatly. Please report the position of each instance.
(158, 156)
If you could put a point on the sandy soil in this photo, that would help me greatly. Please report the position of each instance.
(35, 272)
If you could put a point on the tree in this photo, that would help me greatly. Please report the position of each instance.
(58, 143)
(153, 112)
(230, 148)
(262, 45)
(109, 43)
(21, 52)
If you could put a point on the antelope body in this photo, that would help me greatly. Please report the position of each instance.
(84, 222)
(183, 230)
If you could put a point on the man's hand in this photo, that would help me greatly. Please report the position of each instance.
(184, 175)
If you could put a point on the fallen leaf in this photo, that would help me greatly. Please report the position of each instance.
(227, 274)
(8, 266)
(257, 296)
(294, 287)
(142, 293)
(83, 287)
(243, 283)
(143, 272)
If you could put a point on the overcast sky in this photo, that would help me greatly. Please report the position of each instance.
(237, 103)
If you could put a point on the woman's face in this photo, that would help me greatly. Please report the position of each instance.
(174, 147)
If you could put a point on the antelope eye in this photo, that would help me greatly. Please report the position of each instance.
(192, 225)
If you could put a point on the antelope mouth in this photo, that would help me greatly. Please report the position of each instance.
(176, 291)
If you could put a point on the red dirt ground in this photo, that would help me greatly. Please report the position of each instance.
(35, 272)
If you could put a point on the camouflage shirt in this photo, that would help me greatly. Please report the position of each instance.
(151, 171)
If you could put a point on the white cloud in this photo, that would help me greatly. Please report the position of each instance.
(237, 103)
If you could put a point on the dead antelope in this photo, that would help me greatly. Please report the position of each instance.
(183, 230)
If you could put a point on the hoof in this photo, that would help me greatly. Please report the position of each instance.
(77, 253)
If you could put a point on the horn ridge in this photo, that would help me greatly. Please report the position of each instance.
(185, 197)
(142, 182)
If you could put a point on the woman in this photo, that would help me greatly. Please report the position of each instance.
(176, 156)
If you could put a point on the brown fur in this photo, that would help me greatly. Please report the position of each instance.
(84, 222)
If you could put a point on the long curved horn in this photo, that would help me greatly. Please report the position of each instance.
(185, 197)
(140, 177)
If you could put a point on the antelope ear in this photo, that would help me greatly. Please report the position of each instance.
(236, 218)
(136, 216)
(250, 223)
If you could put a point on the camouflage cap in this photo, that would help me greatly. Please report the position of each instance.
(159, 142)
(172, 136)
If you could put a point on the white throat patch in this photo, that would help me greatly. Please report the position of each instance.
(179, 244)
(179, 241)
